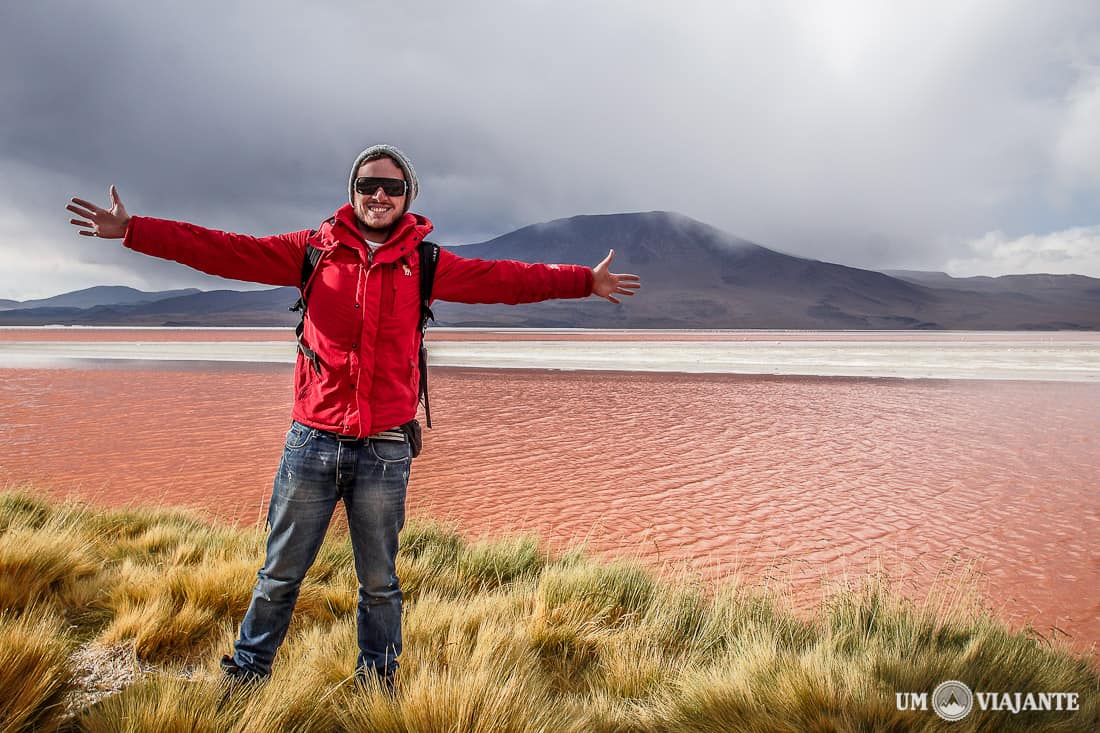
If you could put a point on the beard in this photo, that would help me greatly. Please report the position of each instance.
(378, 224)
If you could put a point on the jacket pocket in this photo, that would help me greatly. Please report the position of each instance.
(303, 376)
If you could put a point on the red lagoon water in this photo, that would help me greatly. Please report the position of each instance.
(773, 477)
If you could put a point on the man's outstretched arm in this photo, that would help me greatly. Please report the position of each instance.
(273, 260)
(470, 280)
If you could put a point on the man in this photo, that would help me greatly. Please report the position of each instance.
(356, 380)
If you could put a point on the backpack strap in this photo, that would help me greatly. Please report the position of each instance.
(429, 258)
(309, 265)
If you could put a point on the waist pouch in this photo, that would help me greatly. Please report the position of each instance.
(412, 431)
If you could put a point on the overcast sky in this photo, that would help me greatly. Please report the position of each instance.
(955, 136)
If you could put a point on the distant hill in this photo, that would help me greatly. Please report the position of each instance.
(212, 308)
(693, 276)
(1002, 283)
(98, 295)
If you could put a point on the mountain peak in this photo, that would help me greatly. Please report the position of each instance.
(642, 240)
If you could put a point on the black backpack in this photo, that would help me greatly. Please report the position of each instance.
(429, 257)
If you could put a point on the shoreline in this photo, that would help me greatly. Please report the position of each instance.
(1011, 360)
(232, 366)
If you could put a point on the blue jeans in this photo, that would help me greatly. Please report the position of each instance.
(316, 471)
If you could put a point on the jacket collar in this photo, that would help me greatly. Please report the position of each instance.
(407, 234)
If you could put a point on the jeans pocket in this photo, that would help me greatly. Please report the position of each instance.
(390, 451)
(298, 436)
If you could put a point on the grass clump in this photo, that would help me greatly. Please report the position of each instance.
(158, 703)
(500, 635)
(34, 669)
(43, 565)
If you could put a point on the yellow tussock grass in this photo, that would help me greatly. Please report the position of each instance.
(34, 670)
(500, 635)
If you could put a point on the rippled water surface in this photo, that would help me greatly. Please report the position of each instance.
(788, 477)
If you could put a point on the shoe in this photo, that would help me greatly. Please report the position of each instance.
(237, 676)
(365, 680)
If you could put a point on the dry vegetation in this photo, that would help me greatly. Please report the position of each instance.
(113, 621)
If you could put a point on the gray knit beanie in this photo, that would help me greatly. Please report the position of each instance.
(385, 151)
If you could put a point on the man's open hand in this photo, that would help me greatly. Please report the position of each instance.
(608, 284)
(96, 222)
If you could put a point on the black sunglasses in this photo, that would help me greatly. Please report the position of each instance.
(367, 185)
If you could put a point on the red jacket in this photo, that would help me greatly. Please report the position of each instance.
(363, 309)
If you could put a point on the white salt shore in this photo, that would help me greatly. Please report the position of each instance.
(1023, 357)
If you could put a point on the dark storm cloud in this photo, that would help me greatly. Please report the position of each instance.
(871, 134)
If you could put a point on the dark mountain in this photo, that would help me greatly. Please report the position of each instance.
(693, 275)
(98, 295)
